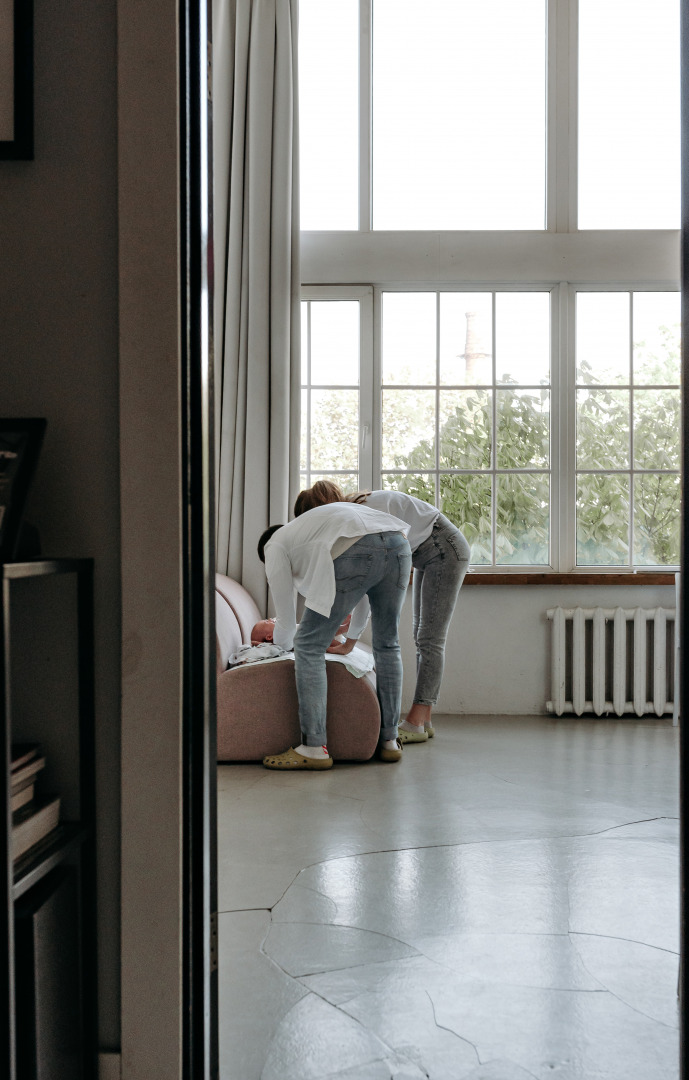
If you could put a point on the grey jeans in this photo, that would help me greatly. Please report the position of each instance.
(378, 564)
(440, 564)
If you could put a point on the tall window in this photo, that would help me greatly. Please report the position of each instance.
(628, 420)
(329, 113)
(503, 177)
(466, 414)
(331, 332)
(458, 114)
(628, 114)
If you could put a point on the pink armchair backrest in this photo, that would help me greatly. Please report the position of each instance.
(235, 614)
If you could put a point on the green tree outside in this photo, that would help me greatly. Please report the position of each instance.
(604, 499)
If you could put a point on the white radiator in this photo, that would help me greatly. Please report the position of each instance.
(613, 660)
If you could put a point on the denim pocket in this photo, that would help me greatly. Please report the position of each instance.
(459, 545)
(351, 571)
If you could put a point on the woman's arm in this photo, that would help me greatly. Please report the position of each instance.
(279, 574)
(357, 624)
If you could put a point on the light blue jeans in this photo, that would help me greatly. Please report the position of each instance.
(440, 564)
(378, 565)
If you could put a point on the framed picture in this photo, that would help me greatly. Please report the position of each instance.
(16, 79)
(20, 445)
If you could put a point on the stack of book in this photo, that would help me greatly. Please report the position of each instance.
(33, 816)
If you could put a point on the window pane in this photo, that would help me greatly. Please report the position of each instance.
(602, 329)
(304, 342)
(335, 342)
(459, 114)
(523, 520)
(656, 520)
(420, 485)
(466, 501)
(656, 337)
(347, 482)
(656, 429)
(602, 429)
(408, 436)
(522, 337)
(409, 337)
(465, 429)
(523, 432)
(466, 338)
(334, 429)
(303, 463)
(602, 520)
(329, 113)
(629, 114)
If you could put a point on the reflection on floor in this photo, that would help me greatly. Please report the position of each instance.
(501, 905)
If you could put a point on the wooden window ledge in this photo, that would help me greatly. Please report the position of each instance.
(645, 577)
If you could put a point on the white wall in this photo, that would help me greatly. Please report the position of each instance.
(498, 651)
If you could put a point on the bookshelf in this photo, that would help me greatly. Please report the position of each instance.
(47, 696)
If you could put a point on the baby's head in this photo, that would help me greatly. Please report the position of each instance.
(262, 631)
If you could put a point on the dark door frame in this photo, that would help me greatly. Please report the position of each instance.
(200, 1008)
(683, 987)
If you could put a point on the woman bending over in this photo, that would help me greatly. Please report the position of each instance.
(440, 557)
(341, 558)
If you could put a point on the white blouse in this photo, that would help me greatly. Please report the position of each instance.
(299, 559)
(419, 515)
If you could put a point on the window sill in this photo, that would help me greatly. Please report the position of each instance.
(645, 577)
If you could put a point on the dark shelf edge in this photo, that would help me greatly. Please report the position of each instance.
(46, 855)
(12, 571)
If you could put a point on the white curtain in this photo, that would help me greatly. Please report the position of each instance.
(256, 240)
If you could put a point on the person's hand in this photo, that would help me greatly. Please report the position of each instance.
(342, 648)
(262, 631)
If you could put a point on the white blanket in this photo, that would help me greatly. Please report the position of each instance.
(359, 662)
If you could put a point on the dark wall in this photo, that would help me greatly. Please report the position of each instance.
(58, 358)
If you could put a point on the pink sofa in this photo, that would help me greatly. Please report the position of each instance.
(257, 705)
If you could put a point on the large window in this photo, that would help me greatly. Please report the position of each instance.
(476, 114)
(502, 176)
(471, 402)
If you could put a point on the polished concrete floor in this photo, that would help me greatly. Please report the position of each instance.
(501, 905)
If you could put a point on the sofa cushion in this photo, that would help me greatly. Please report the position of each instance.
(245, 610)
(227, 631)
(258, 713)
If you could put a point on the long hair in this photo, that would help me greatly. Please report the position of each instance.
(358, 497)
(322, 492)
